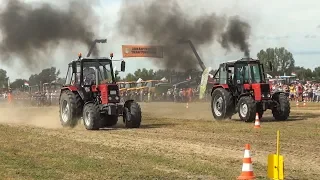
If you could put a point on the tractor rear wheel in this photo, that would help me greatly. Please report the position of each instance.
(70, 106)
(222, 106)
(282, 112)
(247, 109)
(108, 121)
(91, 117)
(132, 114)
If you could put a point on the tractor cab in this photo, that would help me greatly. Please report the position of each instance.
(243, 76)
(88, 71)
(240, 72)
(240, 86)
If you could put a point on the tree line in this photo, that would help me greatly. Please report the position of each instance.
(281, 59)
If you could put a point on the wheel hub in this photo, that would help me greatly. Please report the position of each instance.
(243, 110)
(87, 118)
(65, 111)
(217, 107)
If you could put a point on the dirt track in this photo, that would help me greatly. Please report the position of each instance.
(173, 131)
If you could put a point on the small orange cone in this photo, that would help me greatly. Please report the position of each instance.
(297, 103)
(247, 170)
(304, 102)
(187, 106)
(257, 121)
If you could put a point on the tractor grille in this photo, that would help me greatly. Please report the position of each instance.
(113, 91)
(265, 90)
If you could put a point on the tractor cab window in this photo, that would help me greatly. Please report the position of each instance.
(95, 73)
(242, 73)
(255, 73)
(69, 75)
(248, 73)
(223, 75)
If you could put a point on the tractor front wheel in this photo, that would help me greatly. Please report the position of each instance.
(91, 117)
(282, 112)
(247, 109)
(132, 114)
(222, 104)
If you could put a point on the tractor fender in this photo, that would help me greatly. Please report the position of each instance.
(127, 102)
(244, 94)
(224, 86)
(88, 103)
(73, 89)
(277, 94)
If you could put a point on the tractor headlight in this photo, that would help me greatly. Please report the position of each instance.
(269, 95)
(262, 95)
(110, 98)
(117, 98)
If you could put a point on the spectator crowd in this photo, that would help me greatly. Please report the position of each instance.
(297, 91)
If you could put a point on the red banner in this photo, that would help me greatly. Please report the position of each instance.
(142, 51)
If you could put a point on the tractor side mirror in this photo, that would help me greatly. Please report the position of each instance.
(270, 66)
(123, 66)
(74, 67)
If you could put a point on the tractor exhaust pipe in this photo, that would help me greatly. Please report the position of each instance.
(94, 44)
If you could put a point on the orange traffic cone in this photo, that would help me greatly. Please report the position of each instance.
(304, 102)
(247, 170)
(297, 103)
(187, 106)
(257, 121)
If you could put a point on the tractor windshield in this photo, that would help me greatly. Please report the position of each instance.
(100, 71)
(249, 73)
(256, 73)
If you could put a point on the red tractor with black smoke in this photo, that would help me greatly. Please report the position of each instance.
(91, 92)
(241, 88)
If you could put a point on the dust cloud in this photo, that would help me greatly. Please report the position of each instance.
(32, 116)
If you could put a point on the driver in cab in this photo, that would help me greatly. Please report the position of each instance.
(88, 75)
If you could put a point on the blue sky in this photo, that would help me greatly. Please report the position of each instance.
(293, 24)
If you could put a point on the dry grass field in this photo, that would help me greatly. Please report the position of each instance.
(173, 143)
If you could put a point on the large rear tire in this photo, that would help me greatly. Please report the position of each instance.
(69, 108)
(91, 117)
(281, 113)
(247, 109)
(132, 114)
(222, 105)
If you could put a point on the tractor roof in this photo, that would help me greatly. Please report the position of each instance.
(88, 59)
(243, 60)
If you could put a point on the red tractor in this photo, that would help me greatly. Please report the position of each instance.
(91, 92)
(241, 88)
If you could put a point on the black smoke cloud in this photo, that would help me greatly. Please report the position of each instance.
(237, 34)
(28, 31)
(164, 22)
